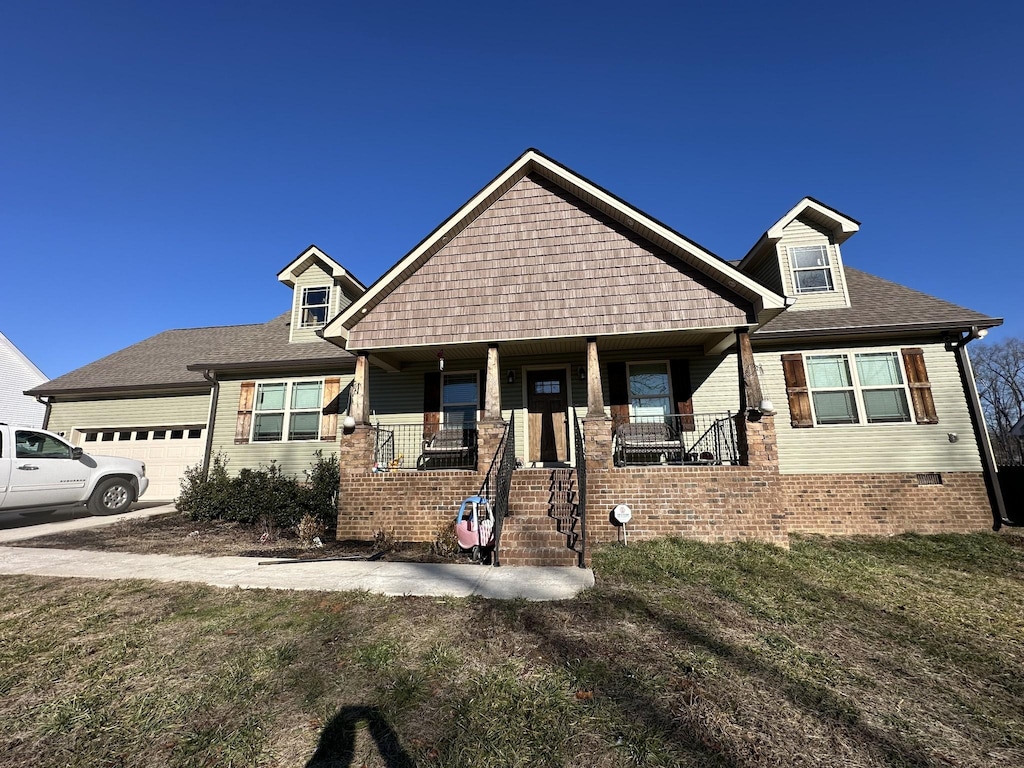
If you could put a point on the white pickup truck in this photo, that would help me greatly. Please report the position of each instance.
(39, 470)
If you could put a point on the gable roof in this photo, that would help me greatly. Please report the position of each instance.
(312, 254)
(12, 353)
(175, 360)
(877, 306)
(533, 162)
(839, 224)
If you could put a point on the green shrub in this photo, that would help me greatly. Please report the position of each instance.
(265, 495)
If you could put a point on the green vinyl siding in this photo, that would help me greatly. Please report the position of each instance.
(315, 276)
(293, 458)
(801, 232)
(894, 447)
(153, 411)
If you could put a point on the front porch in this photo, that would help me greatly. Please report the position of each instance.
(548, 426)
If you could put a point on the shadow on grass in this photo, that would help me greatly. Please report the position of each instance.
(337, 746)
(684, 727)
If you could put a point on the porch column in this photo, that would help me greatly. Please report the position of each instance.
(492, 390)
(750, 385)
(595, 397)
(360, 407)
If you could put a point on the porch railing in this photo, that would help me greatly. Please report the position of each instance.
(424, 446)
(697, 438)
(498, 482)
(581, 490)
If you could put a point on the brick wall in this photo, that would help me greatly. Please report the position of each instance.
(885, 503)
(726, 503)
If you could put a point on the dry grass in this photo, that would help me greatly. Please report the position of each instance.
(869, 652)
(177, 534)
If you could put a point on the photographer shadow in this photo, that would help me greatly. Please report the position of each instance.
(337, 745)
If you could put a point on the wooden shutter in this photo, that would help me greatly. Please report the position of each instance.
(796, 390)
(243, 424)
(329, 419)
(431, 404)
(618, 393)
(920, 387)
(683, 391)
(482, 391)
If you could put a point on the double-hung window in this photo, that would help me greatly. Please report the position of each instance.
(812, 270)
(315, 302)
(460, 398)
(649, 390)
(287, 410)
(858, 388)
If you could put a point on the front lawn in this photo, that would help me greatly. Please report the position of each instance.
(871, 652)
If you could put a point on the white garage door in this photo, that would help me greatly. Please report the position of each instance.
(167, 451)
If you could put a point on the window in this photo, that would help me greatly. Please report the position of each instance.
(812, 271)
(39, 445)
(315, 302)
(858, 388)
(294, 406)
(459, 398)
(649, 390)
(90, 437)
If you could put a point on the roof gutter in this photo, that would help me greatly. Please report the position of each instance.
(958, 345)
(211, 419)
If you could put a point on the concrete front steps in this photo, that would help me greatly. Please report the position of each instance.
(540, 528)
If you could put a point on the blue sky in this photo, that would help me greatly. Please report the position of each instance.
(161, 161)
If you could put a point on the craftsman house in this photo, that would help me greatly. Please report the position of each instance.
(563, 353)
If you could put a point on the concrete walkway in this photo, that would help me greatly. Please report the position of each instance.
(420, 579)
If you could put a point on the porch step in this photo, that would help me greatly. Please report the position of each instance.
(539, 527)
(544, 556)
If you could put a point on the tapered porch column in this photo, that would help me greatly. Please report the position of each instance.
(492, 389)
(755, 429)
(360, 407)
(595, 396)
(750, 385)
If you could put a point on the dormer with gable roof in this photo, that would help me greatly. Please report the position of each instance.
(799, 256)
(321, 288)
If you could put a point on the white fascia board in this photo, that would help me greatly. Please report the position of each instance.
(842, 227)
(29, 365)
(301, 262)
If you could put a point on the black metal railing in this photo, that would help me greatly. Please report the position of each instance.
(581, 491)
(425, 446)
(498, 482)
(691, 438)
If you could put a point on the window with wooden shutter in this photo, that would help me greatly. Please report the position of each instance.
(796, 391)
(243, 424)
(920, 387)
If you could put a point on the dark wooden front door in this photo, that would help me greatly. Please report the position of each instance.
(547, 403)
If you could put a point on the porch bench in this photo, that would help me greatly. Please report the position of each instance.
(651, 439)
(448, 449)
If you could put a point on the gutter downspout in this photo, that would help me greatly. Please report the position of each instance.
(988, 462)
(211, 420)
(46, 415)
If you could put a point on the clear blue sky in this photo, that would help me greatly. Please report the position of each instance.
(161, 161)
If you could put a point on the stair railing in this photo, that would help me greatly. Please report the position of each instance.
(498, 481)
(581, 489)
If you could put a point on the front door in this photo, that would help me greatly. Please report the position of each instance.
(547, 404)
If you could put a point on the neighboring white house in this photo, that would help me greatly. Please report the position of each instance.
(17, 373)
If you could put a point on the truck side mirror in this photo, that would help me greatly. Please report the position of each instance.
(76, 453)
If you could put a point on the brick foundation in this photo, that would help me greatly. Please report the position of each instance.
(885, 503)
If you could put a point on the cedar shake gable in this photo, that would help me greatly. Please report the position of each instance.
(539, 263)
(543, 253)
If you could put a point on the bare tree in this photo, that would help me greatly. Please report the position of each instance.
(999, 372)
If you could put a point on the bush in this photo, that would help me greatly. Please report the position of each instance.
(265, 495)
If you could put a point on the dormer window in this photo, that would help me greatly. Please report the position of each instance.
(315, 302)
(812, 271)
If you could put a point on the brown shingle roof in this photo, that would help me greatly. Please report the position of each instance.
(162, 361)
(876, 305)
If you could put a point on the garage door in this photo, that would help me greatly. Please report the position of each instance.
(167, 451)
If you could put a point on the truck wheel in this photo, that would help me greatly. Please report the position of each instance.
(112, 497)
